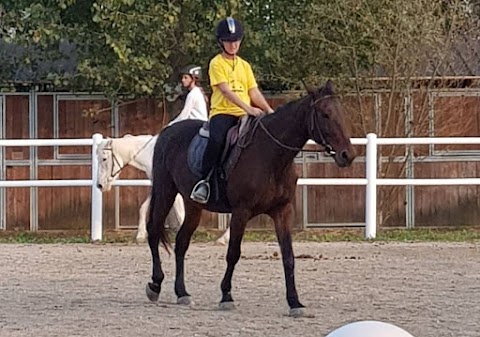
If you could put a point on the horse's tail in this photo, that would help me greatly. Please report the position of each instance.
(153, 225)
(163, 196)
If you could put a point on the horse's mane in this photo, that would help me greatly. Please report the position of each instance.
(112, 143)
(128, 135)
(290, 105)
(323, 91)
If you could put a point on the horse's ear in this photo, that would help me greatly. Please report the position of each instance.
(329, 86)
(309, 88)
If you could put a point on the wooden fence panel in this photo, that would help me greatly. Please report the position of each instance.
(68, 208)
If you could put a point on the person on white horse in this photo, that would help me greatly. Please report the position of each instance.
(137, 151)
(196, 102)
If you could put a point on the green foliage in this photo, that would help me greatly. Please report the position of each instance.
(135, 46)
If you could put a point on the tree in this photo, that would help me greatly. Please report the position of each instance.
(125, 46)
(134, 46)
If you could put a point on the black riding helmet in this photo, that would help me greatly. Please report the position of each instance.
(229, 29)
(192, 70)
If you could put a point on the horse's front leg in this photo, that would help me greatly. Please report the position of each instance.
(142, 222)
(237, 229)
(284, 218)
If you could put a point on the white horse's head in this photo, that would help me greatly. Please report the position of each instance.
(110, 165)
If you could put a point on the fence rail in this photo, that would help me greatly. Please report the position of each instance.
(371, 180)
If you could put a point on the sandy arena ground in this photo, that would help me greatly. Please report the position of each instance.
(429, 289)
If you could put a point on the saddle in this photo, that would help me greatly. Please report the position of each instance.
(230, 154)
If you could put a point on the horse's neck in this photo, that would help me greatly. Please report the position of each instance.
(288, 126)
(281, 131)
(137, 151)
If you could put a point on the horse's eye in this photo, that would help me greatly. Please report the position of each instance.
(104, 159)
(326, 116)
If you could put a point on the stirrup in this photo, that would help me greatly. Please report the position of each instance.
(196, 195)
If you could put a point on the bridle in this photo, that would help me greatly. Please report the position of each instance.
(314, 126)
(116, 161)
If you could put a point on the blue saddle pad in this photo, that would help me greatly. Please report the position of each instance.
(196, 149)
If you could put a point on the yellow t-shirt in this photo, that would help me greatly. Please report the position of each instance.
(238, 74)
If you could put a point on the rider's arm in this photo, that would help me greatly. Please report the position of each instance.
(259, 100)
(187, 109)
(255, 94)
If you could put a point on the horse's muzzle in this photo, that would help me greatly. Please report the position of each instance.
(105, 186)
(345, 158)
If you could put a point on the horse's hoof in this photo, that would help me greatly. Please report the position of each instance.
(152, 295)
(298, 312)
(184, 300)
(227, 305)
(141, 239)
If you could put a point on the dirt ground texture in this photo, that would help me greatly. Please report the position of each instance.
(428, 289)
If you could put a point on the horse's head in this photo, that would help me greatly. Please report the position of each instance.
(109, 165)
(327, 124)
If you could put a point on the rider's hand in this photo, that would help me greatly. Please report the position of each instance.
(256, 112)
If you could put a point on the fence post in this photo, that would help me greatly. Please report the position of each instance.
(371, 188)
(97, 203)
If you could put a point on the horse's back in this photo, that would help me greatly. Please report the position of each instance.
(178, 136)
(172, 145)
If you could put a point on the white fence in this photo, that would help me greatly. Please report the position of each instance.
(371, 181)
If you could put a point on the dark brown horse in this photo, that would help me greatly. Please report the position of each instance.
(262, 182)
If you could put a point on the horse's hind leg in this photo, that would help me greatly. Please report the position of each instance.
(225, 238)
(163, 195)
(237, 229)
(176, 216)
(173, 222)
(182, 242)
(142, 222)
(283, 218)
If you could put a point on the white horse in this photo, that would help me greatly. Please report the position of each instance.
(116, 153)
